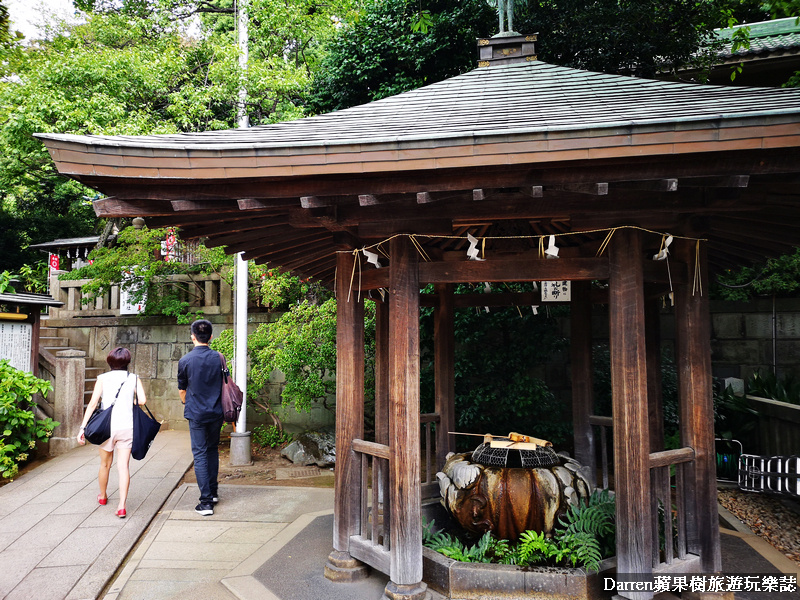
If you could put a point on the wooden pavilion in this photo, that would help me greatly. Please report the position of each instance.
(509, 154)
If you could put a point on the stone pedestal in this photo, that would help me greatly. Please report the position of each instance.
(343, 568)
(240, 450)
(395, 591)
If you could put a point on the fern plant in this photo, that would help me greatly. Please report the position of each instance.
(584, 538)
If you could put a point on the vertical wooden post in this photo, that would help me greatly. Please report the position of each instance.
(404, 464)
(629, 398)
(696, 406)
(349, 423)
(382, 372)
(582, 376)
(444, 366)
(652, 331)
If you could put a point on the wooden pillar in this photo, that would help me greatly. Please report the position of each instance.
(629, 397)
(652, 327)
(404, 464)
(696, 409)
(349, 423)
(382, 372)
(582, 376)
(444, 367)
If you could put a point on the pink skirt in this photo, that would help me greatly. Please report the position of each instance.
(119, 439)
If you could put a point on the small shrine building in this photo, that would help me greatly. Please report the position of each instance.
(614, 168)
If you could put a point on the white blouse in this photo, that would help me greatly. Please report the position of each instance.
(122, 415)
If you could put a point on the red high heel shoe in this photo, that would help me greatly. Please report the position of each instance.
(121, 513)
(102, 501)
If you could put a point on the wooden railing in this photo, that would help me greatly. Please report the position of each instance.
(371, 541)
(210, 293)
(605, 425)
(429, 483)
(668, 511)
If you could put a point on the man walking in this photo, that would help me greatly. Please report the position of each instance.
(200, 389)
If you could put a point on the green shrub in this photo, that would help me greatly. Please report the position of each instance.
(269, 436)
(584, 538)
(768, 385)
(19, 428)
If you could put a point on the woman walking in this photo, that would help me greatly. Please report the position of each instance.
(115, 387)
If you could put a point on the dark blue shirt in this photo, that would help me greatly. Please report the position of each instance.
(200, 374)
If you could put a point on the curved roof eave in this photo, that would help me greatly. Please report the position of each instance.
(509, 104)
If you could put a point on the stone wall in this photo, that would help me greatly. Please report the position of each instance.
(743, 339)
(157, 344)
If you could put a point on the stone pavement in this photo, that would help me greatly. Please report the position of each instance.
(262, 543)
(57, 542)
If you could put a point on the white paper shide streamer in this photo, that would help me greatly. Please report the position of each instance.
(372, 258)
(664, 252)
(472, 251)
(552, 249)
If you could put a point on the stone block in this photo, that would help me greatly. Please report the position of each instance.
(727, 326)
(742, 352)
(758, 325)
(126, 336)
(145, 360)
(436, 570)
(163, 334)
(486, 581)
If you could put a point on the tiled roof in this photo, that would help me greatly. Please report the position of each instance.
(766, 37)
(524, 98)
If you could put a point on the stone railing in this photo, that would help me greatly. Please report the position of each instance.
(209, 293)
(65, 371)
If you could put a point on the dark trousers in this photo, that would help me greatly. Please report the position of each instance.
(205, 448)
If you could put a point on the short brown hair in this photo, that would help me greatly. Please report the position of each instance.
(119, 358)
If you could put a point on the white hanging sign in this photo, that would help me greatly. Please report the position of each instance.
(556, 291)
(129, 286)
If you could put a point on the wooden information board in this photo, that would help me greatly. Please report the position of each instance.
(15, 344)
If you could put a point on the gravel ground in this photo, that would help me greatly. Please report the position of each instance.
(776, 519)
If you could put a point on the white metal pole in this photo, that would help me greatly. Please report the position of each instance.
(240, 336)
(240, 439)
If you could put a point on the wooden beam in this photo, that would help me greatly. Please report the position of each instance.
(582, 372)
(591, 189)
(110, 208)
(322, 201)
(493, 299)
(281, 255)
(696, 410)
(205, 206)
(271, 235)
(512, 269)
(373, 200)
(729, 181)
(404, 425)
(753, 162)
(629, 399)
(266, 204)
(419, 225)
(669, 184)
(429, 197)
(444, 370)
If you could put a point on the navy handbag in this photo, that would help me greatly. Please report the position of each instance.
(98, 428)
(145, 427)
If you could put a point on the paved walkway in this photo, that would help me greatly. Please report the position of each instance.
(262, 543)
(57, 542)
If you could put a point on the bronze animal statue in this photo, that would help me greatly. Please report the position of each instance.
(510, 500)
